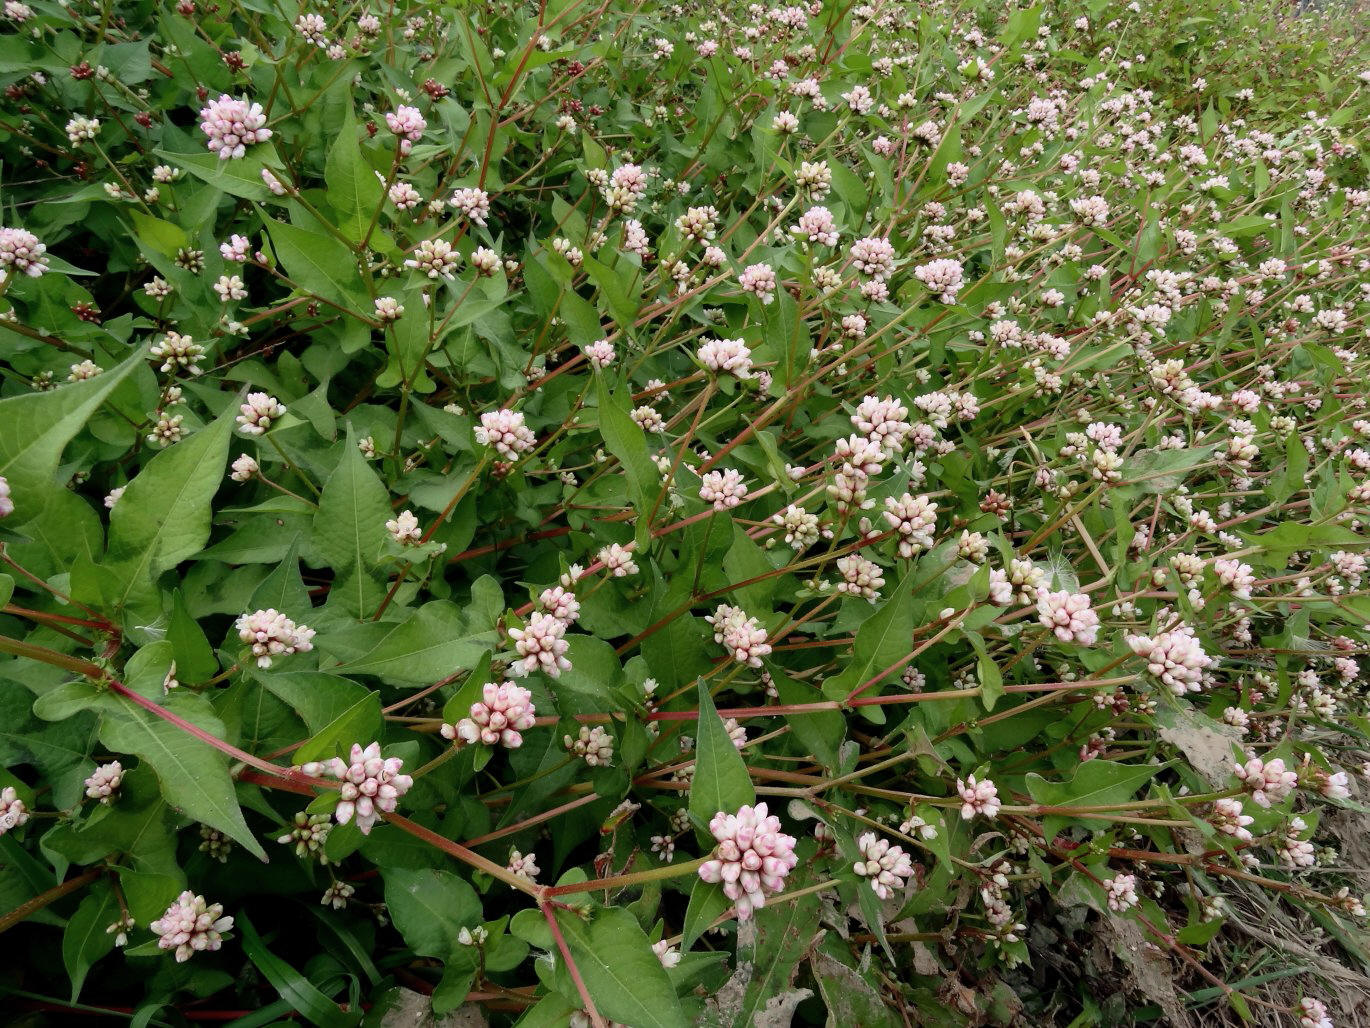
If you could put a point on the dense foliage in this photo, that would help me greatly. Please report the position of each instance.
(661, 514)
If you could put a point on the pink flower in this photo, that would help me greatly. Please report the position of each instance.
(560, 603)
(758, 279)
(1121, 892)
(752, 858)
(191, 926)
(408, 124)
(724, 489)
(21, 249)
(873, 256)
(882, 420)
(726, 356)
(13, 811)
(1267, 782)
(887, 866)
(618, 560)
(1313, 1013)
(1236, 576)
(742, 636)
(542, 645)
(816, 226)
(371, 784)
(1069, 615)
(860, 576)
(943, 276)
(258, 412)
(1175, 657)
(232, 126)
(473, 203)
(271, 634)
(1228, 818)
(506, 432)
(978, 797)
(236, 249)
(914, 519)
(104, 781)
(503, 712)
(600, 354)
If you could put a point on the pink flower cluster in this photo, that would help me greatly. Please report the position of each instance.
(542, 645)
(1227, 817)
(258, 412)
(13, 811)
(473, 203)
(271, 634)
(882, 420)
(1069, 615)
(873, 256)
(943, 276)
(887, 866)
(742, 636)
(506, 432)
(724, 489)
(503, 712)
(191, 926)
(816, 226)
(1175, 657)
(753, 857)
(232, 126)
(1268, 782)
(20, 248)
(760, 280)
(1121, 892)
(371, 784)
(407, 123)
(104, 782)
(980, 797)
(726, 356)
(914, 519)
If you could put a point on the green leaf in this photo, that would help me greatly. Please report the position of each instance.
(167, 516)
(284, 589)
(195, 660)
(721, 781)
(349, 530)
(784, 932)
(851, 997)
(318, 698)
(194, 776)
(1160, 471)
(297, 990)
(36, 427)
(241, 178)
(883, 638)
(354, 191)
(820, 733)
(987, 671)
(85, 940)
(1096, 783)
(317, 262)
(435, 642)
(622, 974)
(159, 236)
(360, 723)
(625, 439)
(707, 904)
(1021, 25)
(430, 908)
